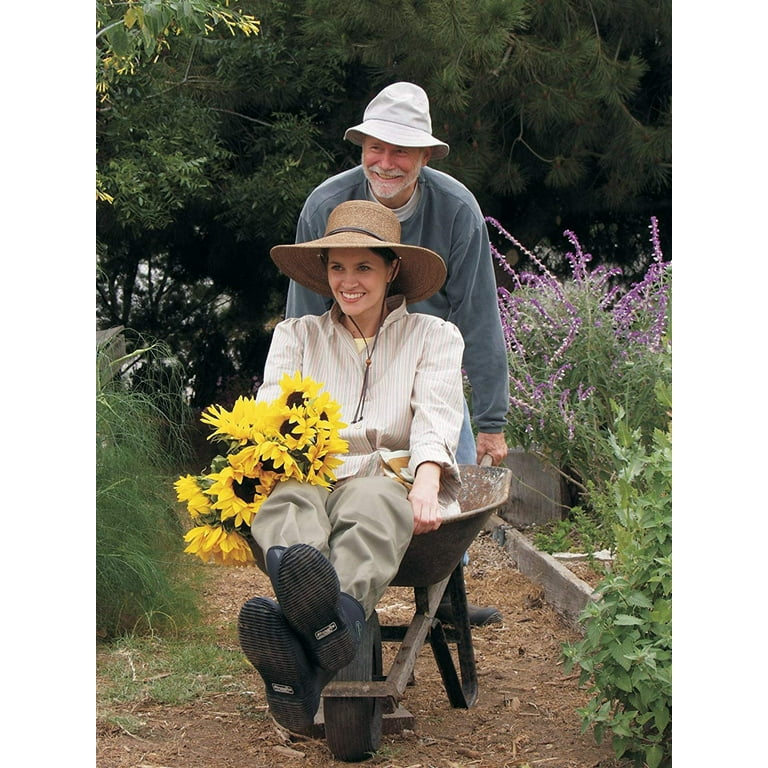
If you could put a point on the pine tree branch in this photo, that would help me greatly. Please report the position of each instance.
(503, 62)
(519, 139)
(256, 120)
(244, 117)
(189, 61)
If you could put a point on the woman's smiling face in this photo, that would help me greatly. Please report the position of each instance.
(359, 279)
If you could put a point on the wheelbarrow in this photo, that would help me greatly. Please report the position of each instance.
(355, 703)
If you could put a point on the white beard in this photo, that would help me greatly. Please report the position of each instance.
(386, 190)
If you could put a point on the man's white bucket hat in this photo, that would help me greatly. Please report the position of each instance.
(399, 115)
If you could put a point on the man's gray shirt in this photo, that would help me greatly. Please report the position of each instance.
(447, 220)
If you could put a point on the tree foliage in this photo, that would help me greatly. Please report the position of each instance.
(557, 113)
(129, 32)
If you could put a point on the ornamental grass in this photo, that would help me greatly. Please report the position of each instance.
(141, 575)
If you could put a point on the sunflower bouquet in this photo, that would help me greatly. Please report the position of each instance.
(296, 436)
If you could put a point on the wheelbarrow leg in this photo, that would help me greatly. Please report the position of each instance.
(461, 693)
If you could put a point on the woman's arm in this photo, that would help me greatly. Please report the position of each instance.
(423, 498)
(437, 400)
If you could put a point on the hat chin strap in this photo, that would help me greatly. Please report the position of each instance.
(394, 275)
(368, 360)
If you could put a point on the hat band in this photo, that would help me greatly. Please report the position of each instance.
(359, 230)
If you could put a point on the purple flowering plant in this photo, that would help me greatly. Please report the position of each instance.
(583, 351)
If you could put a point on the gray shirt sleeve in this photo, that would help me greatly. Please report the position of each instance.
(451, 223)
(471, 292)
(301, 301)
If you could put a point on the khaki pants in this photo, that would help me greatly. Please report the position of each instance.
(363, 527)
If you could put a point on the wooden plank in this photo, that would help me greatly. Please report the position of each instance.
(536, 495)
(392, 723)
(405, 660)
(563, 590)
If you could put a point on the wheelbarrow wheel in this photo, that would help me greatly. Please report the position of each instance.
(353, 724)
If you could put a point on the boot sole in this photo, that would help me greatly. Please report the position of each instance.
(308, 591)
(292, 687)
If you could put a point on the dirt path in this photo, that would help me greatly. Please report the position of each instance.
(525, 714)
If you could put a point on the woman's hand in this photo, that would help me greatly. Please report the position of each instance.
(423, 498)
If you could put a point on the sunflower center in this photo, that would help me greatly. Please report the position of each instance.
(268, 465)
(295, 399)
(287, 428)
(246, 491)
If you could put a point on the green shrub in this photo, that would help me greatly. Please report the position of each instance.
(581, 532)
(141, 579)
(626, 653)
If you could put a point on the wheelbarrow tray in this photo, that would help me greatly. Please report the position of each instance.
(431, 557)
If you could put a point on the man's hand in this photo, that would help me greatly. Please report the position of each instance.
(493, 444)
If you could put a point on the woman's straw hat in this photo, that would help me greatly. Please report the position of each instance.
(363, 224)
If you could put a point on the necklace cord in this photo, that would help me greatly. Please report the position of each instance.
(368, 360)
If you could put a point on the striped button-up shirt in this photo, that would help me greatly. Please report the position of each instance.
(414, 400)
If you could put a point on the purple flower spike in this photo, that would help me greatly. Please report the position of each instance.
(582, 350)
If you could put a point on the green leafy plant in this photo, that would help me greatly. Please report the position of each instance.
(581, 532)
(625, 656)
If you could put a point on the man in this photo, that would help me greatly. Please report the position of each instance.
(437, 212)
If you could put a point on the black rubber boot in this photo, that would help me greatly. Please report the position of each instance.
(293, 685)
(272, 561)
(478, 616)
(328, 621)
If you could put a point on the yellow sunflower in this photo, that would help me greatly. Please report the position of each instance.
(297, 427)
(329, 412)
(235, 550)
(276, 457)
(247, 466)
(331, 445)
(234, 496)
(188, 491)
(318, 472)
(293, 437)
(238, 425)
(322, 463)
(297, 390)
(215, 544)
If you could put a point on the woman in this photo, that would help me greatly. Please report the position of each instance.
(397, 377)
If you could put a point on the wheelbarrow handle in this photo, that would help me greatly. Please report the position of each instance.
(486, 461)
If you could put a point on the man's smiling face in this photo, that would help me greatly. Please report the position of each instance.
(392, 171)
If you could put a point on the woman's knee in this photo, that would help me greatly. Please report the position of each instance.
(381, 501)
(293, 513)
